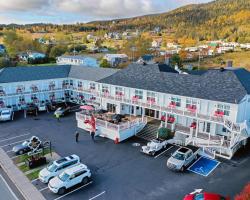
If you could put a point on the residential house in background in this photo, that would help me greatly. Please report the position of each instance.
(116, 59)
(2, 49)
(77, 60)
(25, 56)
(147, 59)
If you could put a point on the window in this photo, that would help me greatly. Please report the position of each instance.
(199, 197)
(105, 89)
(225, 109)
(191, 103)
(119, 91)
(139, 94)
(80, 173)
(71, 82)
(79, 84)
(151, 96)
(176, 101)
(208, 127)
(92, 86)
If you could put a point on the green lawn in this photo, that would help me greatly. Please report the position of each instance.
(33, 175)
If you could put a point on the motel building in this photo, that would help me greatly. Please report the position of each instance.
(209, 109)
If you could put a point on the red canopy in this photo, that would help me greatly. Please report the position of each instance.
(87, 107)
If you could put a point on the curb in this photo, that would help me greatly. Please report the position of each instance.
(25, 187)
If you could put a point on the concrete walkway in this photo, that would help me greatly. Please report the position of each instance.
(26, 188)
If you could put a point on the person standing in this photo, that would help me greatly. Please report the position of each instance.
(92, 135)
(77, 136)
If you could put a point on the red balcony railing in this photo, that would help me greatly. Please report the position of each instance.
(218, 113)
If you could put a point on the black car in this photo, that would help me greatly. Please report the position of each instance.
(55, 105)
(27, 146)
(31, 109)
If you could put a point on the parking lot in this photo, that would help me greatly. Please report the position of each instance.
(121, 171)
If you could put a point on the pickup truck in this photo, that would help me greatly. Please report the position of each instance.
(182, 158)
(153, 146)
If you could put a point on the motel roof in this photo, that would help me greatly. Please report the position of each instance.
(228, 85)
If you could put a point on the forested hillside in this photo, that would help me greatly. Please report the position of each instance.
(221, 19)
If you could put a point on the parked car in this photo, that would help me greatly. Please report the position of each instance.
(154, 146)
(205, 196)
(6, 114)
(62, 111)
(31, 109)
(58, 166)
(79, 174)
(42, 107)
(55, 105)
(183, 157)
(28, 145)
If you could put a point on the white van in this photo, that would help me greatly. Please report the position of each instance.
(56, 167)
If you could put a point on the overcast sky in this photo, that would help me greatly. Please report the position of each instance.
(72, 11)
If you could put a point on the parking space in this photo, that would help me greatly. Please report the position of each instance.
(120, 171)
(204, 166)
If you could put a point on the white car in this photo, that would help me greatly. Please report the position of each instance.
(42, 107)
(58, 166)
(6, 115)
(153, 146)
(69, 178)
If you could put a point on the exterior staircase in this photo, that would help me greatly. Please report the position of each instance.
(149, 132)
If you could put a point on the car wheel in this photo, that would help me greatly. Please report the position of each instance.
(153, 153)
(85, 180)
(182, 169)
(20, 152)
(61, 191)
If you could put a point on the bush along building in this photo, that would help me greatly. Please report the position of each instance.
(209, 109)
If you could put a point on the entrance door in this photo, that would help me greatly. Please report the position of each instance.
(111, 107)
(149, 112)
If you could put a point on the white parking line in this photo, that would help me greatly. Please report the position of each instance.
(163, 152)
(14, 137)
(97, 195)
(73, 191)
(43, 189)
(11, 143)
(7, 185)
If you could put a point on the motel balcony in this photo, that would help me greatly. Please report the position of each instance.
(128, 127)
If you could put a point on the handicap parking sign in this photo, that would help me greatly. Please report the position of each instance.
(204, 166)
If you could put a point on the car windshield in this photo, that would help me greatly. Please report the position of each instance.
(63, 176)
(51, 167)
(199, 197)
(179, 156)
(5, 113)
(25, 143)
(58, 109)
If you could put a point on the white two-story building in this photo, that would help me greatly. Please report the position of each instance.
(209, 109)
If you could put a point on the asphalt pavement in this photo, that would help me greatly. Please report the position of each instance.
(121, 171)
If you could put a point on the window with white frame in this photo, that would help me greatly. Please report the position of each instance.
(105, 89)
(79, 83)
(223, 108)
(139, 94)
(191, 103)
(151, 96)
(92, 86)
(176, 101)
(119, 91)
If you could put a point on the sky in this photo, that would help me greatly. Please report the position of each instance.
(73, 11)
